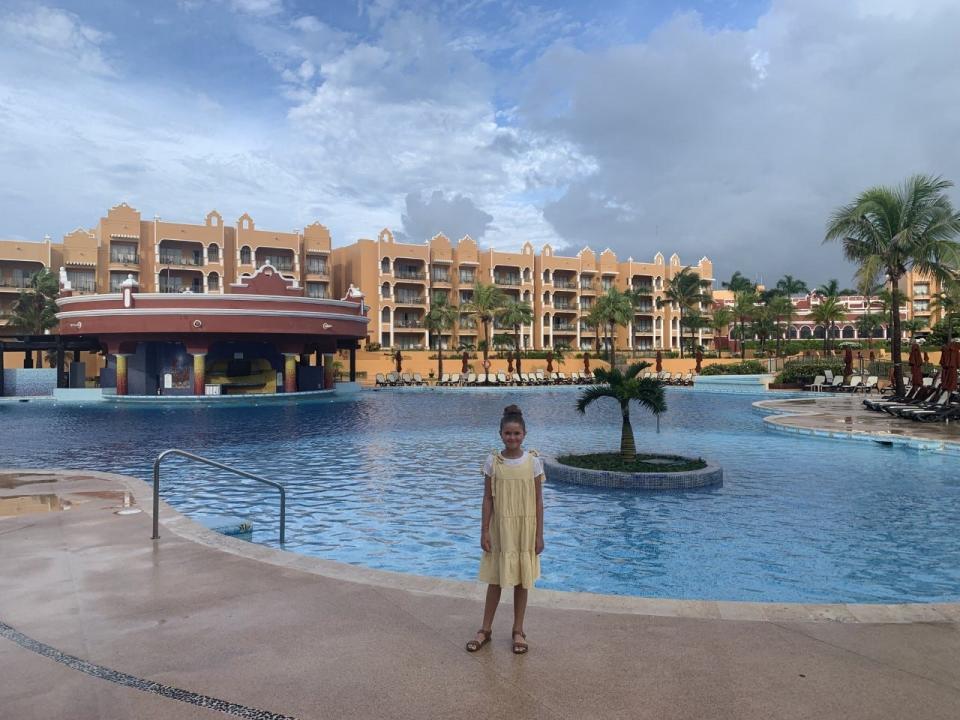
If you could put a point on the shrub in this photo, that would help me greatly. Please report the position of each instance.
(747, 367)
(373, 347)
(804, 371)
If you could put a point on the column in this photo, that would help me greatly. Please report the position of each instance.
(391, 327)
(289, 372)
(353, 364)
(121, 373)
(199, 373)
(328, 379)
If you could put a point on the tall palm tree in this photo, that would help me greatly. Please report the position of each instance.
(827, 313)
(517, 313)
(763, 325)
(781, 311)
(831, 288)
(738, 283)
(625, 387)
(614, 308)
(789, 285)
(947, 303)
(441, 317)
(744, 307)
(720, 320)
(685, 290)
(595, 319)
(891, 231)
(486, 304)
(35, 309)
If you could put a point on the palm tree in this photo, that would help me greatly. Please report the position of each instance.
(35, 310)
(913, 327)
(763, 325)
(517, 313)
(827, 313)
(487, 303)
(613, 309)
(720, 321)
(684, 289)
(781, 310)
(947, 303)
(891, 231)
(744, 307)
(830, 288)
(625, 387)
(738, 283)
(441, 317)
(788, 285)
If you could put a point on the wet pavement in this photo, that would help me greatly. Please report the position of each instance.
(98, 621)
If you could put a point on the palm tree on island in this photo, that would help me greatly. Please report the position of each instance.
(890, 231)
(441, 317)
(625, 387)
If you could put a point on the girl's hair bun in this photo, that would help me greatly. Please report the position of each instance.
(512, 410)
(512, 414)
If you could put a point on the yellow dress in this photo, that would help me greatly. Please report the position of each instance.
(513, 559)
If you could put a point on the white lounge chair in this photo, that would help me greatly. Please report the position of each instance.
(471, 379)
(517, 380)
(381, 379)
(502, 378)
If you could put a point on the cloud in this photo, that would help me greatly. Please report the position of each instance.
(60, 35)
(454, 216)
(258, 7)
(738, 144)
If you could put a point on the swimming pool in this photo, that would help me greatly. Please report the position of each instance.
(390, 480)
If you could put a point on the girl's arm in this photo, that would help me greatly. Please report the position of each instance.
(538, 481)
(486, 514)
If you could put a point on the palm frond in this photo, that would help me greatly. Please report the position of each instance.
(594, 392)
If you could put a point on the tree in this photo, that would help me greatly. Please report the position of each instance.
(684, 289)
(744, 307)
(891, 231)
(788, 285)
(612, 309)
(486, 304)
(738, 283)
(764, 325)
(912, 327)
(827, 313)
(517, 313)
(831, 288)
(867, 326)
(441, 317)
(35, 309)
(947, 303)
(781, 310)
(720, 321)
(625, 387)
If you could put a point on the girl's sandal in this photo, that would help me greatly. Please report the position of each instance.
(520, 647)
(473, 645)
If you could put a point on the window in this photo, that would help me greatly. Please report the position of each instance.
(213, 281)
(245, 255)
(213, 253)
(921, 289)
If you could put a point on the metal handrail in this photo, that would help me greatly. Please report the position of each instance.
(191, 456)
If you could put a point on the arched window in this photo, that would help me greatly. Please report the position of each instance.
(848, 332)
(805, 333)
(792, 333)
(245, 255)
(213, 253)
(818, 332)
(385, 266)
(526, 275)
(385, 290)
(385, 315)
(213, 282)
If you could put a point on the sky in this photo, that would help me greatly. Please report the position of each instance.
(721, 128)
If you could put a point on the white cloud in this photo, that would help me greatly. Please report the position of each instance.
(258, 7)
(58, 34)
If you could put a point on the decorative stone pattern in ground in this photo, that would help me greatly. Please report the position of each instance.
(711, 475)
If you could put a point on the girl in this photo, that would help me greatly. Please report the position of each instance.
(511, 531)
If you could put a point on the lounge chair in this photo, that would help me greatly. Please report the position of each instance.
(471, 379)
(829, 376)
(869, 385)
(444, 379)
(816, 385)
(516, 379)
(454, 379)
(647, 375)
(835, 385)
(940, 402)
(525, 379)
(541, 378)
(502, 379)
(688, 379)
(406, 379)
(393, 379)
(418, 379)
(855, 382)
(677, 379)
(555, 378)
(381, 379)
(563, 378)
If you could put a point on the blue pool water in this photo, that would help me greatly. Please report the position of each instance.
(391, 480)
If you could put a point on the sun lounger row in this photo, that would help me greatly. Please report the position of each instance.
(835, 383)
(668, 379)
(927, 402)
(399, 379)
(501, 378)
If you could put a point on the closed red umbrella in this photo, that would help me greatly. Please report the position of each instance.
(509, 362)
(659, 361)
(549, 360)
(916, 365)
(586, 362)
(949, 380)
(699, 357)
(848, 361)
(398, 358)
(465, 359)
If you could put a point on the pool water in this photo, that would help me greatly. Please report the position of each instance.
(391, 480)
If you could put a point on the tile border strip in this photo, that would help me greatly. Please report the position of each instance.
(131, 681)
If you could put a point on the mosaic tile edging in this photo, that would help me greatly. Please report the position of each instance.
(131, 681)
(744, 611)
(709, 476)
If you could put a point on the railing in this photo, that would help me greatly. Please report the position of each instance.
(564, 284)
(83, 285)
(410, 299)
(405, 274)
(643, 289)
(280, 263)
(562, 306)
(506, 279)
(165, 288)
(197, 458)
(317, 294)
(180, 260)
(441, 277)
(467, 277)
(10, 282)
(317, 268)
(125, 258)
(408, 324)
(570, 328)
(468, 325)
(587, 286)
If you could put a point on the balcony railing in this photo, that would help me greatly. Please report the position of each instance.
(468, 324)
(606, 286)
(177, 259)
(568, 327)
(317, 268)
(175, 288)
(562, 305)
(83, 285)
(467, 277)
(643, 289)
(410, 299)
(14, 282)
(441, 277)
(317, 293)
(506, 279)
(407, 323)
(279, 262)
(586, 285)
(408, 274)
(564, 284)
(645, 307)
(643, 329)
(125, 258)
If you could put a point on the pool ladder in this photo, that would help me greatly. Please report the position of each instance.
(207, 461)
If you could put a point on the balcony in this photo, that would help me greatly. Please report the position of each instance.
(13, 282)
(409, 274)
(563, 305)
(284, 263)
(560, 284)
(83, 286)
(468, 324)
(318, 293)
(643, 329)
(468, 278)
(194, 260)
(564, 327)
(440, 277)
(403, 298)
(408, 324)
(124, 258)
(643, 289)
(510, 280)
(317, 267)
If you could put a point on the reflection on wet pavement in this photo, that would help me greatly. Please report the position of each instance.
(31, 504)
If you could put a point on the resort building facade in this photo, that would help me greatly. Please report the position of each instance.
(561, 290)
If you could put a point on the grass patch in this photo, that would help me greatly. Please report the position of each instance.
(641, 463)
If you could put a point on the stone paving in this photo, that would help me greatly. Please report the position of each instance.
(98, 621)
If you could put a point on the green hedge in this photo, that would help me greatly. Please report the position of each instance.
(747, 367)
(805, 371)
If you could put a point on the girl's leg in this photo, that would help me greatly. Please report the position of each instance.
(490, 608)
(519, 607)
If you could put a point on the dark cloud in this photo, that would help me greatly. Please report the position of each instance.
(455, 217)
(738, 145)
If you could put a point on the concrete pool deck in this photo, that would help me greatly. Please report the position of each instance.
(843, 416)
(92, 609)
